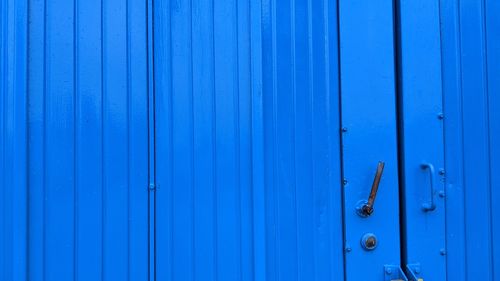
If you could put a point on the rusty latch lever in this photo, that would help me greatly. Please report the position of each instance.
(367, 208)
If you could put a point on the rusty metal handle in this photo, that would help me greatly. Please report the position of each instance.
(367, 208)
(431, 205)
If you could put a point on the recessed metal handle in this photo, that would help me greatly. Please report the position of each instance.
(430, 205)
(367, 209)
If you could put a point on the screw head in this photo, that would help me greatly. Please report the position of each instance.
(442, 252)
(388, 270)
(442, 172)
(344, 129)
(440, 116)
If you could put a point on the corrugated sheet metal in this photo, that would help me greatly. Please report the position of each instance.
(247, 149)
(87, 146)
(246, 157)
(13, 150)
(471, 50)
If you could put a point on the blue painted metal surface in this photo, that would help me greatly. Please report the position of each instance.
(247, 143)
(74, 141)
(421, 138)
(471, 99)
(368, 94)
(234, 140)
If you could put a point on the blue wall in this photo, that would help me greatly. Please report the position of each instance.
(76, 139)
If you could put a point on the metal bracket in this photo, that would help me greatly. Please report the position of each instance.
(394, 273)
(414, 271)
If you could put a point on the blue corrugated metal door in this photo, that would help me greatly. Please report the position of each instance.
(249, 101)
(369, 139)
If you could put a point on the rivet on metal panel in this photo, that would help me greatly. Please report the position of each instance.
(440, 116)
(347, 248)
(442, 252)
(344, 182)
(442, 194)
(442, 172)
(344, 129)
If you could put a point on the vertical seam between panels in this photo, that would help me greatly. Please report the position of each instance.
(488, 137)
(462, 176)
(310, 55)
(341, 138)
(151, 139)
(443, 130)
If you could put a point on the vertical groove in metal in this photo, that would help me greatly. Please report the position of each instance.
(492, 29)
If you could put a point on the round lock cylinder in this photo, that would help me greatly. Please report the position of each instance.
(369, 242)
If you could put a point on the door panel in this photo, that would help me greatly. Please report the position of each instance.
(369, 134)
(421, 137)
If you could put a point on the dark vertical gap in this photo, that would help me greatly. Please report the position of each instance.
(341, 140)
(488, 136)
(151, 128)
(400, 130)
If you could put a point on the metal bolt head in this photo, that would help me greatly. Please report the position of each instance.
(388, 270)
(369, 242)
